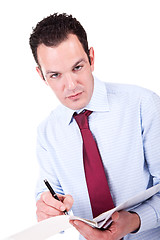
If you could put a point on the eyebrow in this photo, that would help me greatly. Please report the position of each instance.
(78, 62)
(56, 72)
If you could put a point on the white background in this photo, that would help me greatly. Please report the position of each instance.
(126, 39)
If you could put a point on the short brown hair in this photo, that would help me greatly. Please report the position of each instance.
(53, 30)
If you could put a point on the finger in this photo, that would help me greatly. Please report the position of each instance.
(52, 202)
(43, 207)
(88, 232)
(113, 227)
(83, 229)
(68, 202)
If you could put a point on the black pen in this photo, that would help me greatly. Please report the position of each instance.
(53, 193)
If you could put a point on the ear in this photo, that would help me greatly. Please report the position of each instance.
(91, 54)
(38, 69)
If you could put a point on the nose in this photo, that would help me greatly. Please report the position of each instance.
(70, 82)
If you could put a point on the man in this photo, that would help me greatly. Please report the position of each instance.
(125, 123)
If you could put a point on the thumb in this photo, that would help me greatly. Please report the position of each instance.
(115, 216)
(68, 202)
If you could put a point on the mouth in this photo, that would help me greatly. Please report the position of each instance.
(75, 96)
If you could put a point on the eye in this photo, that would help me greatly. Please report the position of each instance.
(54, 75)
(77, 68)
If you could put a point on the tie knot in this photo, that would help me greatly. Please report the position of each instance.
(82, 119)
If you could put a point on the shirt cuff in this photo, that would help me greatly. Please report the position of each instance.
(147, 216)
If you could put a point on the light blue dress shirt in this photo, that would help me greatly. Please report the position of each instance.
(126, 126)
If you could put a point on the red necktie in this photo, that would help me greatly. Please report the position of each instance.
(98, 188)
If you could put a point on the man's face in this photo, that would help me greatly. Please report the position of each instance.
(67, 71)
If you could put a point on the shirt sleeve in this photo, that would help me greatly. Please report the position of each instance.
(46, 168)
(149, 211)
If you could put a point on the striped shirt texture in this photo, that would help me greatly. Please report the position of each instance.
(125, 124)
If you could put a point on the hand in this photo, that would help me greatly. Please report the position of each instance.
(47, 206)
(123, 223)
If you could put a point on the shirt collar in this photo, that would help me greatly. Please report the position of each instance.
(99, 101)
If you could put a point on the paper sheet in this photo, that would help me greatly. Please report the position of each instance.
(44, 229)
